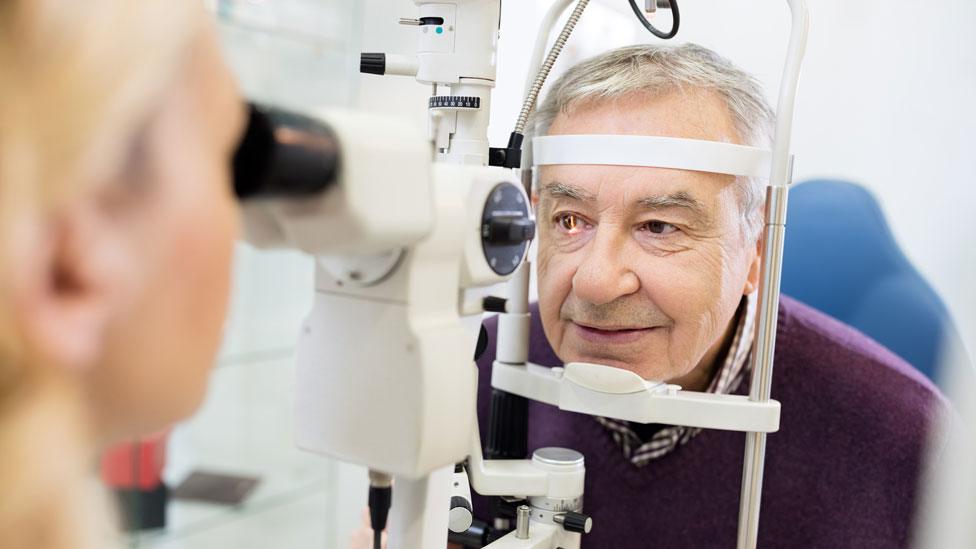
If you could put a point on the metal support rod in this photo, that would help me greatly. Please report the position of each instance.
(522, 522)
(781, 173)
(763, 351)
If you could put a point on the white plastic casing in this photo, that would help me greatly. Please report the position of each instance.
(385, 373)
(460, 54)
(616, 393)
(467, 44)
(382, 199)
(652, 151)
(565, 475)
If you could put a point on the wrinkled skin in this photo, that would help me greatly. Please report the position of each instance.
(643, 268)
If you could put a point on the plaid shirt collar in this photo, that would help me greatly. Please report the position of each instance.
(726, 381)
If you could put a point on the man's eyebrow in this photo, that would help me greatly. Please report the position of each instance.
(680, 199)
(563, 190)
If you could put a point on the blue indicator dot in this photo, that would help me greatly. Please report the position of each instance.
(440, 30)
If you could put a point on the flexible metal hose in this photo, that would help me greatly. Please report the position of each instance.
(546, 67)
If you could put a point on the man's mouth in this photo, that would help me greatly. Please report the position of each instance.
(610, 334)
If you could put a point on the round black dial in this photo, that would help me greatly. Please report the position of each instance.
(506, 228)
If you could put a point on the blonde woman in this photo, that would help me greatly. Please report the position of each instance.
(117, 123)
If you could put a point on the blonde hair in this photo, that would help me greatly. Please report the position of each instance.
(77, 80)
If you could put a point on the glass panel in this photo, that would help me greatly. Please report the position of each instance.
(297, 53)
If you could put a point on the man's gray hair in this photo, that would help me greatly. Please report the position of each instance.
(660, 70)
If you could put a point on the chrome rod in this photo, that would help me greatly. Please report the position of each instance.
(781, 173)
(762, 361)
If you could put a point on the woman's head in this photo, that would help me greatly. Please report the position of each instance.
(117, 124)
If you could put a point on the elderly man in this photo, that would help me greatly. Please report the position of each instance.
(655, 271)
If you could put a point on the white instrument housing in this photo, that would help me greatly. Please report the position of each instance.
(385, 371)
(382, 199)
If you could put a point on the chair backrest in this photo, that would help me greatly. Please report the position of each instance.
(842, 259)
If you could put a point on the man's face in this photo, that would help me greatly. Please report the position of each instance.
(643, 268)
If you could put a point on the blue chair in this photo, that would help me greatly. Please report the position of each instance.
(842, 259)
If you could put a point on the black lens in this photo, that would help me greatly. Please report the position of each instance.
(284, 154)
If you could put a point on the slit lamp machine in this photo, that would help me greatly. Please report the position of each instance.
(411, 233)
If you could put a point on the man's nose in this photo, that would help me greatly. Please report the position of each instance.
(604, 273)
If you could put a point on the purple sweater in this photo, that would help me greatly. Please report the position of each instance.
(841, 471)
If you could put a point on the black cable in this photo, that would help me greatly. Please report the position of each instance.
(380, 498)
(676, 22)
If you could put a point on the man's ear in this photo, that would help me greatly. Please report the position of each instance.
(73, 280)
(755, 268)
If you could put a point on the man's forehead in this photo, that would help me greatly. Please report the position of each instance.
(636, 198)
(689, 113)
(597, 183)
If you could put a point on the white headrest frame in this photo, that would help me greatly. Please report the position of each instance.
(652, 152)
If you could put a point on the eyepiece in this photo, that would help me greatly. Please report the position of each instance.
(284, 154)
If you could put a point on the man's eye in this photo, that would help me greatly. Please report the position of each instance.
(658, 227)
(571, 223)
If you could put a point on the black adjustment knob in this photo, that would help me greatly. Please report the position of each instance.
(506, 230)
(574, 522)
(493, 304)
(372, 63)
